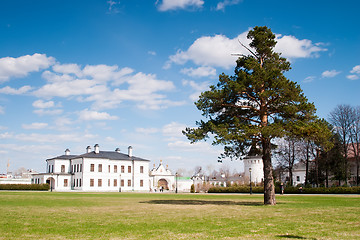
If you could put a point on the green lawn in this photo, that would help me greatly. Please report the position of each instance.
(46, 215)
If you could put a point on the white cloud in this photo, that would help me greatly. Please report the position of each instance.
(221, 5)
(167, 5)
(52, 138)
(106, 86)
(47, 138)
(353, 77)
(292, 48)
(88, 115)
(199, 72)
(35, 125)
(309, 79)
(153, 53)
(198, 147)
(355, 73)
(216, 51)
(6, 135)
(68, 69)
(43, 112)
(173, 130)
(356, 69)
(146, 131)
(13, 91)
(211, 51)
(22, 66)
(112, 6)
(330, 74)
(63, 121)
(198, 87)
(42, 104)
(2, 111)
(69, 88)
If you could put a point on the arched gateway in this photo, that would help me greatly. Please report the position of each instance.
(51, 182)
(163, 183)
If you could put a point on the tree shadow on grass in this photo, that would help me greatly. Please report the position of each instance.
(293, 237)
(202, 202)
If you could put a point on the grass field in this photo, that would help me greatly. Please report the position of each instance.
(46, 215)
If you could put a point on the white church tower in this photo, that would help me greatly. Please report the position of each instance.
(253, 164)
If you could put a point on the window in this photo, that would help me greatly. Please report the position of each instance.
(109, 168)
(100, 168)
(115, 183)
(129, 183)
(80, 182)
(77, 182)
(115, 168)
(129, 169)
(141, 169)
(49, 168)
(92, 167)
(80, 167)
(298, 178)
(77, 167)
(62, 168)
(65, 182)
(91, 182)
(108, 182)
(122, 182)
(122, 169)
(99, 182)
(141, 183)
(52, 168)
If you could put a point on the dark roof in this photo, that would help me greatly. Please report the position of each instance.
(110, 155)
(65, 157)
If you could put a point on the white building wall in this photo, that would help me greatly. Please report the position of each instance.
(141, 177)
(59, 182)
(112, 180)
(15, 181)
(184, 185)
(256, 165)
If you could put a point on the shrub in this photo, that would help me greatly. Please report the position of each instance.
(287, 190)
(192, 188)
(236, 189)
(27, 187)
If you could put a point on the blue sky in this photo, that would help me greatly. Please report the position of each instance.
(120, 73)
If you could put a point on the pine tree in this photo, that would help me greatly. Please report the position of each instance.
(257, 104)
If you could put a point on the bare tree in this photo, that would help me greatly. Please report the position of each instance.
(307, 152)
(355, 139)
(287, 154)
(342, 118)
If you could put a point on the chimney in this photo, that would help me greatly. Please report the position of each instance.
(117, 150)
(88, 149)
(67, 152)
(96, 149)
(130, 151)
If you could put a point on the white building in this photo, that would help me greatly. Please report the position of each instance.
(161, 178)
(298, 174)
(253, 164)
(96, 171)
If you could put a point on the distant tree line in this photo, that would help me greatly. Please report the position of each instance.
(328, 157)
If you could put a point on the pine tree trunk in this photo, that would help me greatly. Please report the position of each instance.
(307, 164)
(269, 189)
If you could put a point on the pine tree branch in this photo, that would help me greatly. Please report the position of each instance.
(249, 50)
